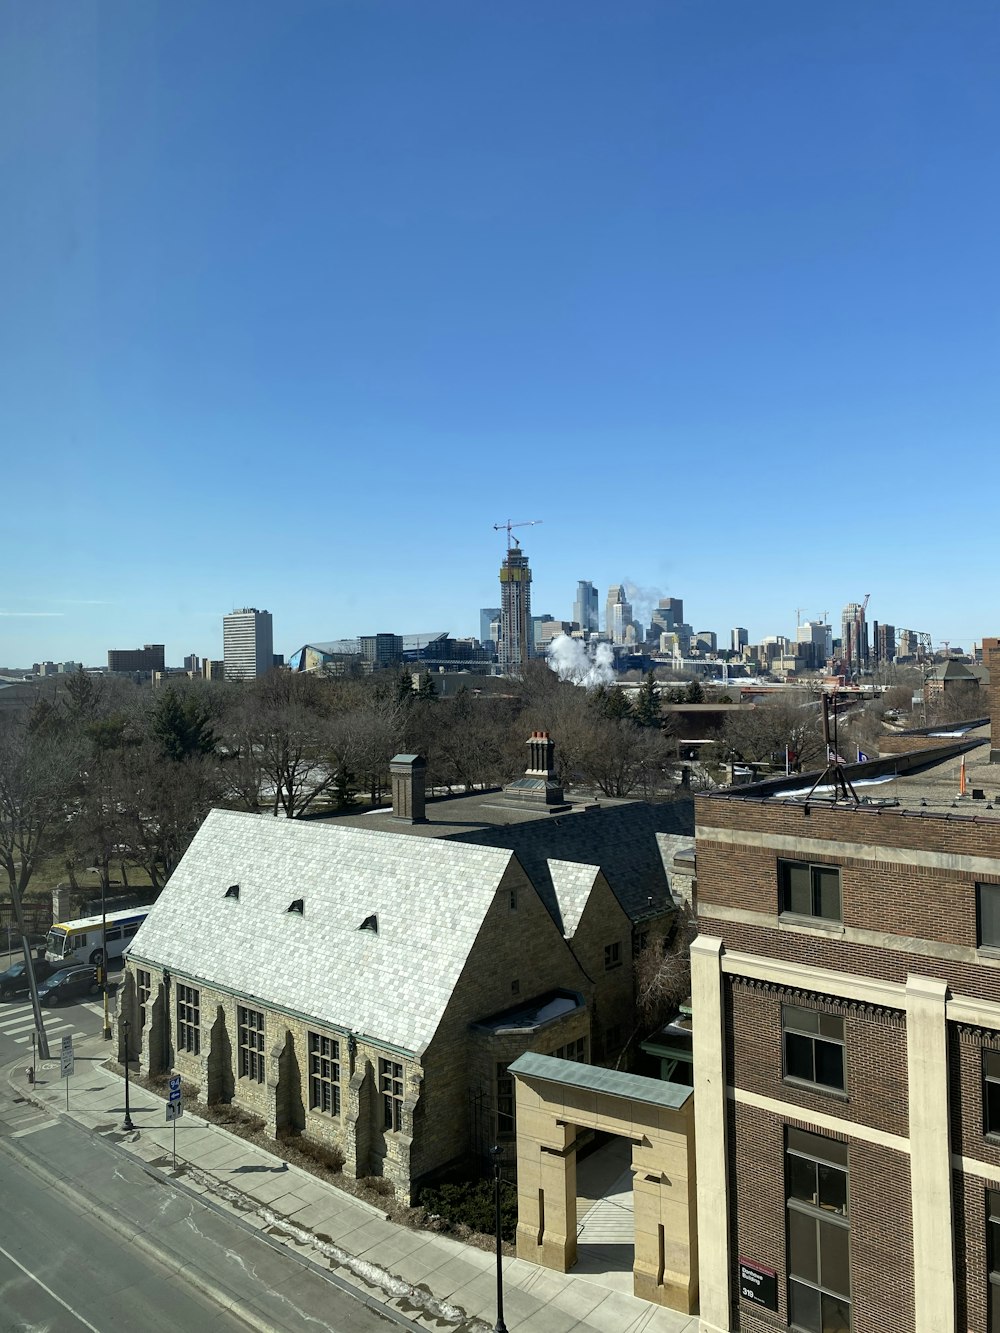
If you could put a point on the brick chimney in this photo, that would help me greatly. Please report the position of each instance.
(409, 787)
(991, 659)
(541, 755)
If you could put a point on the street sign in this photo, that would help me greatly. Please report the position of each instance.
(66, 1061)
(175, 1087)
(174, 1111)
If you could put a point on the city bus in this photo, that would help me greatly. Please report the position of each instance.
(80, 941)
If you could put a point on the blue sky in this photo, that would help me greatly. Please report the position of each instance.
(299, 299)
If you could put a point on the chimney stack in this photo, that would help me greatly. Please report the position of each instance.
(541, 755)
(409, 787)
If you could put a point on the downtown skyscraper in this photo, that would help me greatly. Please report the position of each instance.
(515, 645)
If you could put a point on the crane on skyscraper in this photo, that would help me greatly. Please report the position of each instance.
(506, 527)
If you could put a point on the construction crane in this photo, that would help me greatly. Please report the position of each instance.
(508, 526)
(798, 616)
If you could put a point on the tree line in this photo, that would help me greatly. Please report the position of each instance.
(104, 773)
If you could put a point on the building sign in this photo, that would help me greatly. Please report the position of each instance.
(758, 1284)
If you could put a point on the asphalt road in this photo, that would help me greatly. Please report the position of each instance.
(75, 1018)
(89, 1240)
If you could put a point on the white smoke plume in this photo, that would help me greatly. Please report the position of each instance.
(571, 661)
(643, 601)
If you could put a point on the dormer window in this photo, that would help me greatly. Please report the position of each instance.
(370, 923)
(297, 906)
(233, 891)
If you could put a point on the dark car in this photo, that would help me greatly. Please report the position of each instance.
(68, 984)
(15, 980)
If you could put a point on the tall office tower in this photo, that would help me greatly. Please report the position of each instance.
(810, 641)
(885, 642)
(515, 609)
(192, 662)
(854, 631)
(738, 638)
(487, 614)
(618, 613)
(247, 644)
(586, 609)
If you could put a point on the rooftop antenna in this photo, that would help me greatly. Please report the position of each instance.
(506, 527)
(834, 770)
(798, 616)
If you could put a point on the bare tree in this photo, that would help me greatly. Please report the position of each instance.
(760, 733)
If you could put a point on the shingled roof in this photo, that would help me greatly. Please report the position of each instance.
(429, 898)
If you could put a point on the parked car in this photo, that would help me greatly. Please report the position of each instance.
(15, 980)
(68, 984)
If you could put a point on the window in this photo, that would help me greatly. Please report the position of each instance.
(505, 1102)
(391, 1084)
(113, 933)
(513, 900)
(817, 1212)
(612, 956)
(641, 942)
(988, 915)
(324, 1074)
(814, 1046)
(573, 1050)
(189, 1019)
(132, 928)
(991, 1094)
(993, 1257)
(143, 990)
(250, 1027)
(808, 890)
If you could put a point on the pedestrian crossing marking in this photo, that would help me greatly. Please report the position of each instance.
(49, 1032)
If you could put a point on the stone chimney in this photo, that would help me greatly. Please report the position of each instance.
(541, 756)
(409, 787)
(991, 659)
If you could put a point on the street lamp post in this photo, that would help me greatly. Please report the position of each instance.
(127, 1122)
(497, 1155)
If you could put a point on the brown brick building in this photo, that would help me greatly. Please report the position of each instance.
(846, 992)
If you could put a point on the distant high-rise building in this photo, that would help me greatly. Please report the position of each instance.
(381, 650)
(738, 638)
(811, 643)
(150, 657)
(247, 643)
(885, 642)
(515, 609)
(487, 614)
(586, 608)
(854, 636)
(669, 613)
(706, 641)
(192, 663)
(618, 613)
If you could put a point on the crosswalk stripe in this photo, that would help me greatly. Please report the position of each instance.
(49, 1032)
(17, 1025)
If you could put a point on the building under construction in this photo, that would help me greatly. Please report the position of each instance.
(515, 609)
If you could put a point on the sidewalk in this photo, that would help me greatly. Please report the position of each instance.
(430, 1280)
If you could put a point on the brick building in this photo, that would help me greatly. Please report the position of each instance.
(366, 982)
(846, 992)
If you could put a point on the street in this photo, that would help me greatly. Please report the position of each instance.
(89, 1240)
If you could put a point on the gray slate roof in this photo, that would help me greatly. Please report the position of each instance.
(430, 898)
(571, 883)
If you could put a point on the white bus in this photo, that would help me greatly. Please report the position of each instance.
(80, 941)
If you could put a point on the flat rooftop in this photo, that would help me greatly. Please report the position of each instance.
(923, 781)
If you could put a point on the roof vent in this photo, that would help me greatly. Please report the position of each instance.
(370, 923)
(233, 891)
(297, 906)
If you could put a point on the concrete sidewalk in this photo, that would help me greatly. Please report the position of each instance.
(431, 1280)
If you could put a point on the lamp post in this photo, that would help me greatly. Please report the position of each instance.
(497, 1155)
(127, 1122)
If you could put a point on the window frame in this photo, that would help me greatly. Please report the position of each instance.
(993, 1260)
(815, 869)
(250, 1041)
(391, 1079)
(188, 1031)
(324, 1073)
(830, 1156)
(980, 942)
(799, 1030)
(612, 955)
(991, 1079)
(143, 992)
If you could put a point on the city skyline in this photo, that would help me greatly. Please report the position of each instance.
(263, 278)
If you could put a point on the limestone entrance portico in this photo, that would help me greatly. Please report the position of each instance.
(555, 1098)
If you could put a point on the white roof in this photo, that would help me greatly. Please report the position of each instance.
(430, 897)
(572, 883)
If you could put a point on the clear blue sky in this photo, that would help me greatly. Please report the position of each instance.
(299, 299)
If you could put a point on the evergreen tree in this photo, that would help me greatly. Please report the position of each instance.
(694, 694)
(646, 709)
(427, 689)
(181, 726)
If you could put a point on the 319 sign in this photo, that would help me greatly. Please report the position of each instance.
(758, 1284)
